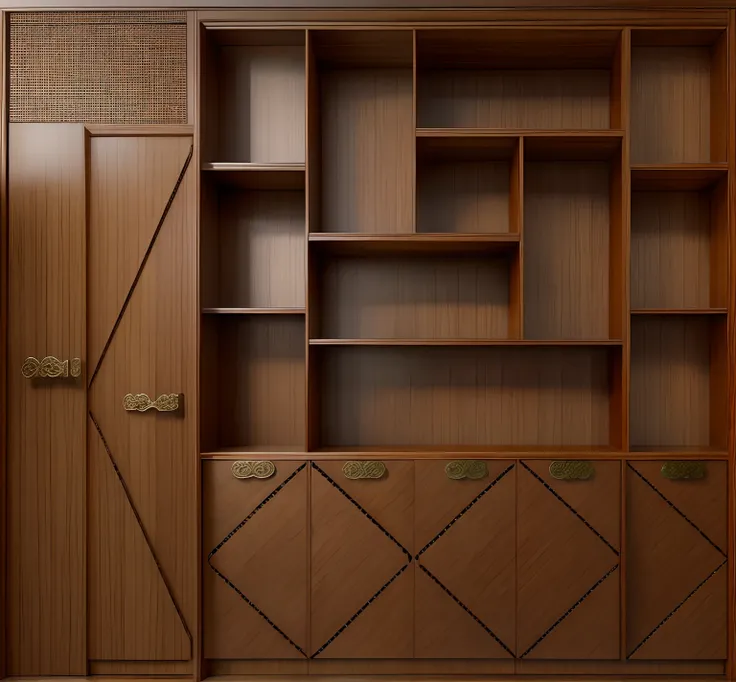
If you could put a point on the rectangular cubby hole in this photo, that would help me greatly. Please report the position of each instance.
(679, 383)
(475, 397)
(517, 78)
(573, 245)
(679, 248)
(253, 383)
(253, 245)
(417, 297)
(468, 185)
(253, 98)
(361, 131)
(678, 96)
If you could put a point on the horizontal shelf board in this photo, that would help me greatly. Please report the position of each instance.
(465, 342)
(355, 244)
(676, 177)
(679, 311)
(257, 175)
(252, 451)
(678, 452)
(513, 133)
(455, 452)
(253, 311)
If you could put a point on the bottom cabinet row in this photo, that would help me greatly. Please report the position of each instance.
(486, 559)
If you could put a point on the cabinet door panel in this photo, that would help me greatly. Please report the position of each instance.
(46, 461)
(568, 560)
(676, 570)
(362, 597)
(255, 569)
(465, 583)
(143, 316)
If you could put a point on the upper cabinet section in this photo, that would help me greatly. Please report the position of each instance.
(518, 79)
(253, 108)
(679, 88)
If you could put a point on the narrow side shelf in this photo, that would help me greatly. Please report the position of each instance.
(253, 311)
(257, 175)
(342, 243)
(676, 176)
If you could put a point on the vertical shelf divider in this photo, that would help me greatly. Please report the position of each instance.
(415, 193)
(516, 224)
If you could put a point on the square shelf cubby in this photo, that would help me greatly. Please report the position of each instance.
(253, 96)
(679, 86)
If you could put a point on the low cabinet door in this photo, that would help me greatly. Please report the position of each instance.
(676, 572)
(255, 559)
(465, 537)
(568, 560)
(362, 578)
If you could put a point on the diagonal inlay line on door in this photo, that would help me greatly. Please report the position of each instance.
(595, 586)
(230, 584)
(455, 519)
(137, 516)
(142, 265)
(405, 551)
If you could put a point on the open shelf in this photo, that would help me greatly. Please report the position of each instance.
(676, 177)
(678, 96)
(540, 343)
(256, 175)
(417, 244)
(679, 311)
(253, 248)
(679, 247)
(482, 78)
(253, 311)
(466, 397)
(361, 136)
(425, 296)
(253, 383)
(254, 96)
(678, 383)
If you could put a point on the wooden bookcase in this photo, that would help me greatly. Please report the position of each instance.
(506, 245)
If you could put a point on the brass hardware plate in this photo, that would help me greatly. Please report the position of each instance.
(683, 471)
(51, 368)
(253, 469)
(358, 470)
(571, 470)
(141, 402)
(473, 469)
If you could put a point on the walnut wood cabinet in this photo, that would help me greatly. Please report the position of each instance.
(368, 342)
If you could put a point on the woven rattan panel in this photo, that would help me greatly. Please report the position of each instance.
(98, 67)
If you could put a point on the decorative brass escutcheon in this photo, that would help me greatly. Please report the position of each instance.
(51, 368)
(571, 470)
(357, 470)
(253, 469)
(683, 471)
(473, 469)
(141, 402)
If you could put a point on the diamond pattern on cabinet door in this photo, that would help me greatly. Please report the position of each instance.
(676, 584)
(568, 559)
(362, 584)
(465, 584)
(151, 349)
(255, 574)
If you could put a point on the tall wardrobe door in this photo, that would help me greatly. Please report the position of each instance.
(46, 482)
(255, 564)
(362, 591)
(465, 559)
(142, 312)
(568, 560)
(676, 543)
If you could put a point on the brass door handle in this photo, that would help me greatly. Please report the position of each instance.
(683, 471)
(473, 469)
(141, 402)
(357, 470)
(51, 368)
(257, 469)
(572, 470)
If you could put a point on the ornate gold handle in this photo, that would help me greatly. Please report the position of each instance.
(257, 469)
(51, 368)
(473, 469)
(140, 402)
(683, 471)
(573, 470)
(368, 469)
